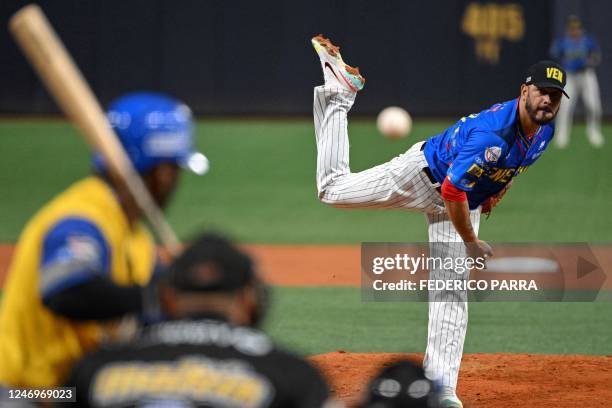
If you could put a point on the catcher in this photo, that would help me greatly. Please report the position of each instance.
(208, 351)
(85, 260)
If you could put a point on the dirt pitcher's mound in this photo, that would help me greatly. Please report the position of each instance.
(491, 380)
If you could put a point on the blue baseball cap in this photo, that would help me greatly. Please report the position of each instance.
(154, 128)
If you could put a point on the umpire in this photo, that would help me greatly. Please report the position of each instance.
(208, 351)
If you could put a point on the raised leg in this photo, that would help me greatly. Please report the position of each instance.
(399, 183)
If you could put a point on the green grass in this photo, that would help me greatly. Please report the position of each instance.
(261, 187)
(320, 320)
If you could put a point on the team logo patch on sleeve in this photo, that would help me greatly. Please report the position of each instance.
(84, 249)
(492, 154)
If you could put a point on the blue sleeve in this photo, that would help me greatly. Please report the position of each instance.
(593, 45)
(480, 149)
(73, 252)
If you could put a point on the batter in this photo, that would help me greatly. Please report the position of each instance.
(85, 260)
(451, 177)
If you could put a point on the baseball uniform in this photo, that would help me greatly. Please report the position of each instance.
(480, 155)
(82, 262)
(199, 362)
(574, 55)
(81, 233)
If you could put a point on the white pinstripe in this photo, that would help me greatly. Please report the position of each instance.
(448, 310)
(399, 183)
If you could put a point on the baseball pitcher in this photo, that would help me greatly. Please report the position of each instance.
(451, 177)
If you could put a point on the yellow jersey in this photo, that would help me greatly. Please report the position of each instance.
(84, 225)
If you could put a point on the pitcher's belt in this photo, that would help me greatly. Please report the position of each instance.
(428, 173)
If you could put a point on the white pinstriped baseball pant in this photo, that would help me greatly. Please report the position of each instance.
(399, 183)
(583, 84)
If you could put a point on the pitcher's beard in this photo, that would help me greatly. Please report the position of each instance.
(533, 114)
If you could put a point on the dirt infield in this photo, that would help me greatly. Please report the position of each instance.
(486, 380)
(283, 265)
(492, 380)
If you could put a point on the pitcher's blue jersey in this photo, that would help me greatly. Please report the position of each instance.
(482, 152)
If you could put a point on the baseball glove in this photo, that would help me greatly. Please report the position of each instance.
(492, 201)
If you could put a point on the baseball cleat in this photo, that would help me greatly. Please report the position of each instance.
(335, 70)
(450, 401)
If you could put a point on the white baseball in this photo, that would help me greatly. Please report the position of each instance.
(394, 122)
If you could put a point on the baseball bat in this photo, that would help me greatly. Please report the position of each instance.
(66, 84)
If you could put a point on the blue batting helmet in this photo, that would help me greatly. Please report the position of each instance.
(154, 128)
